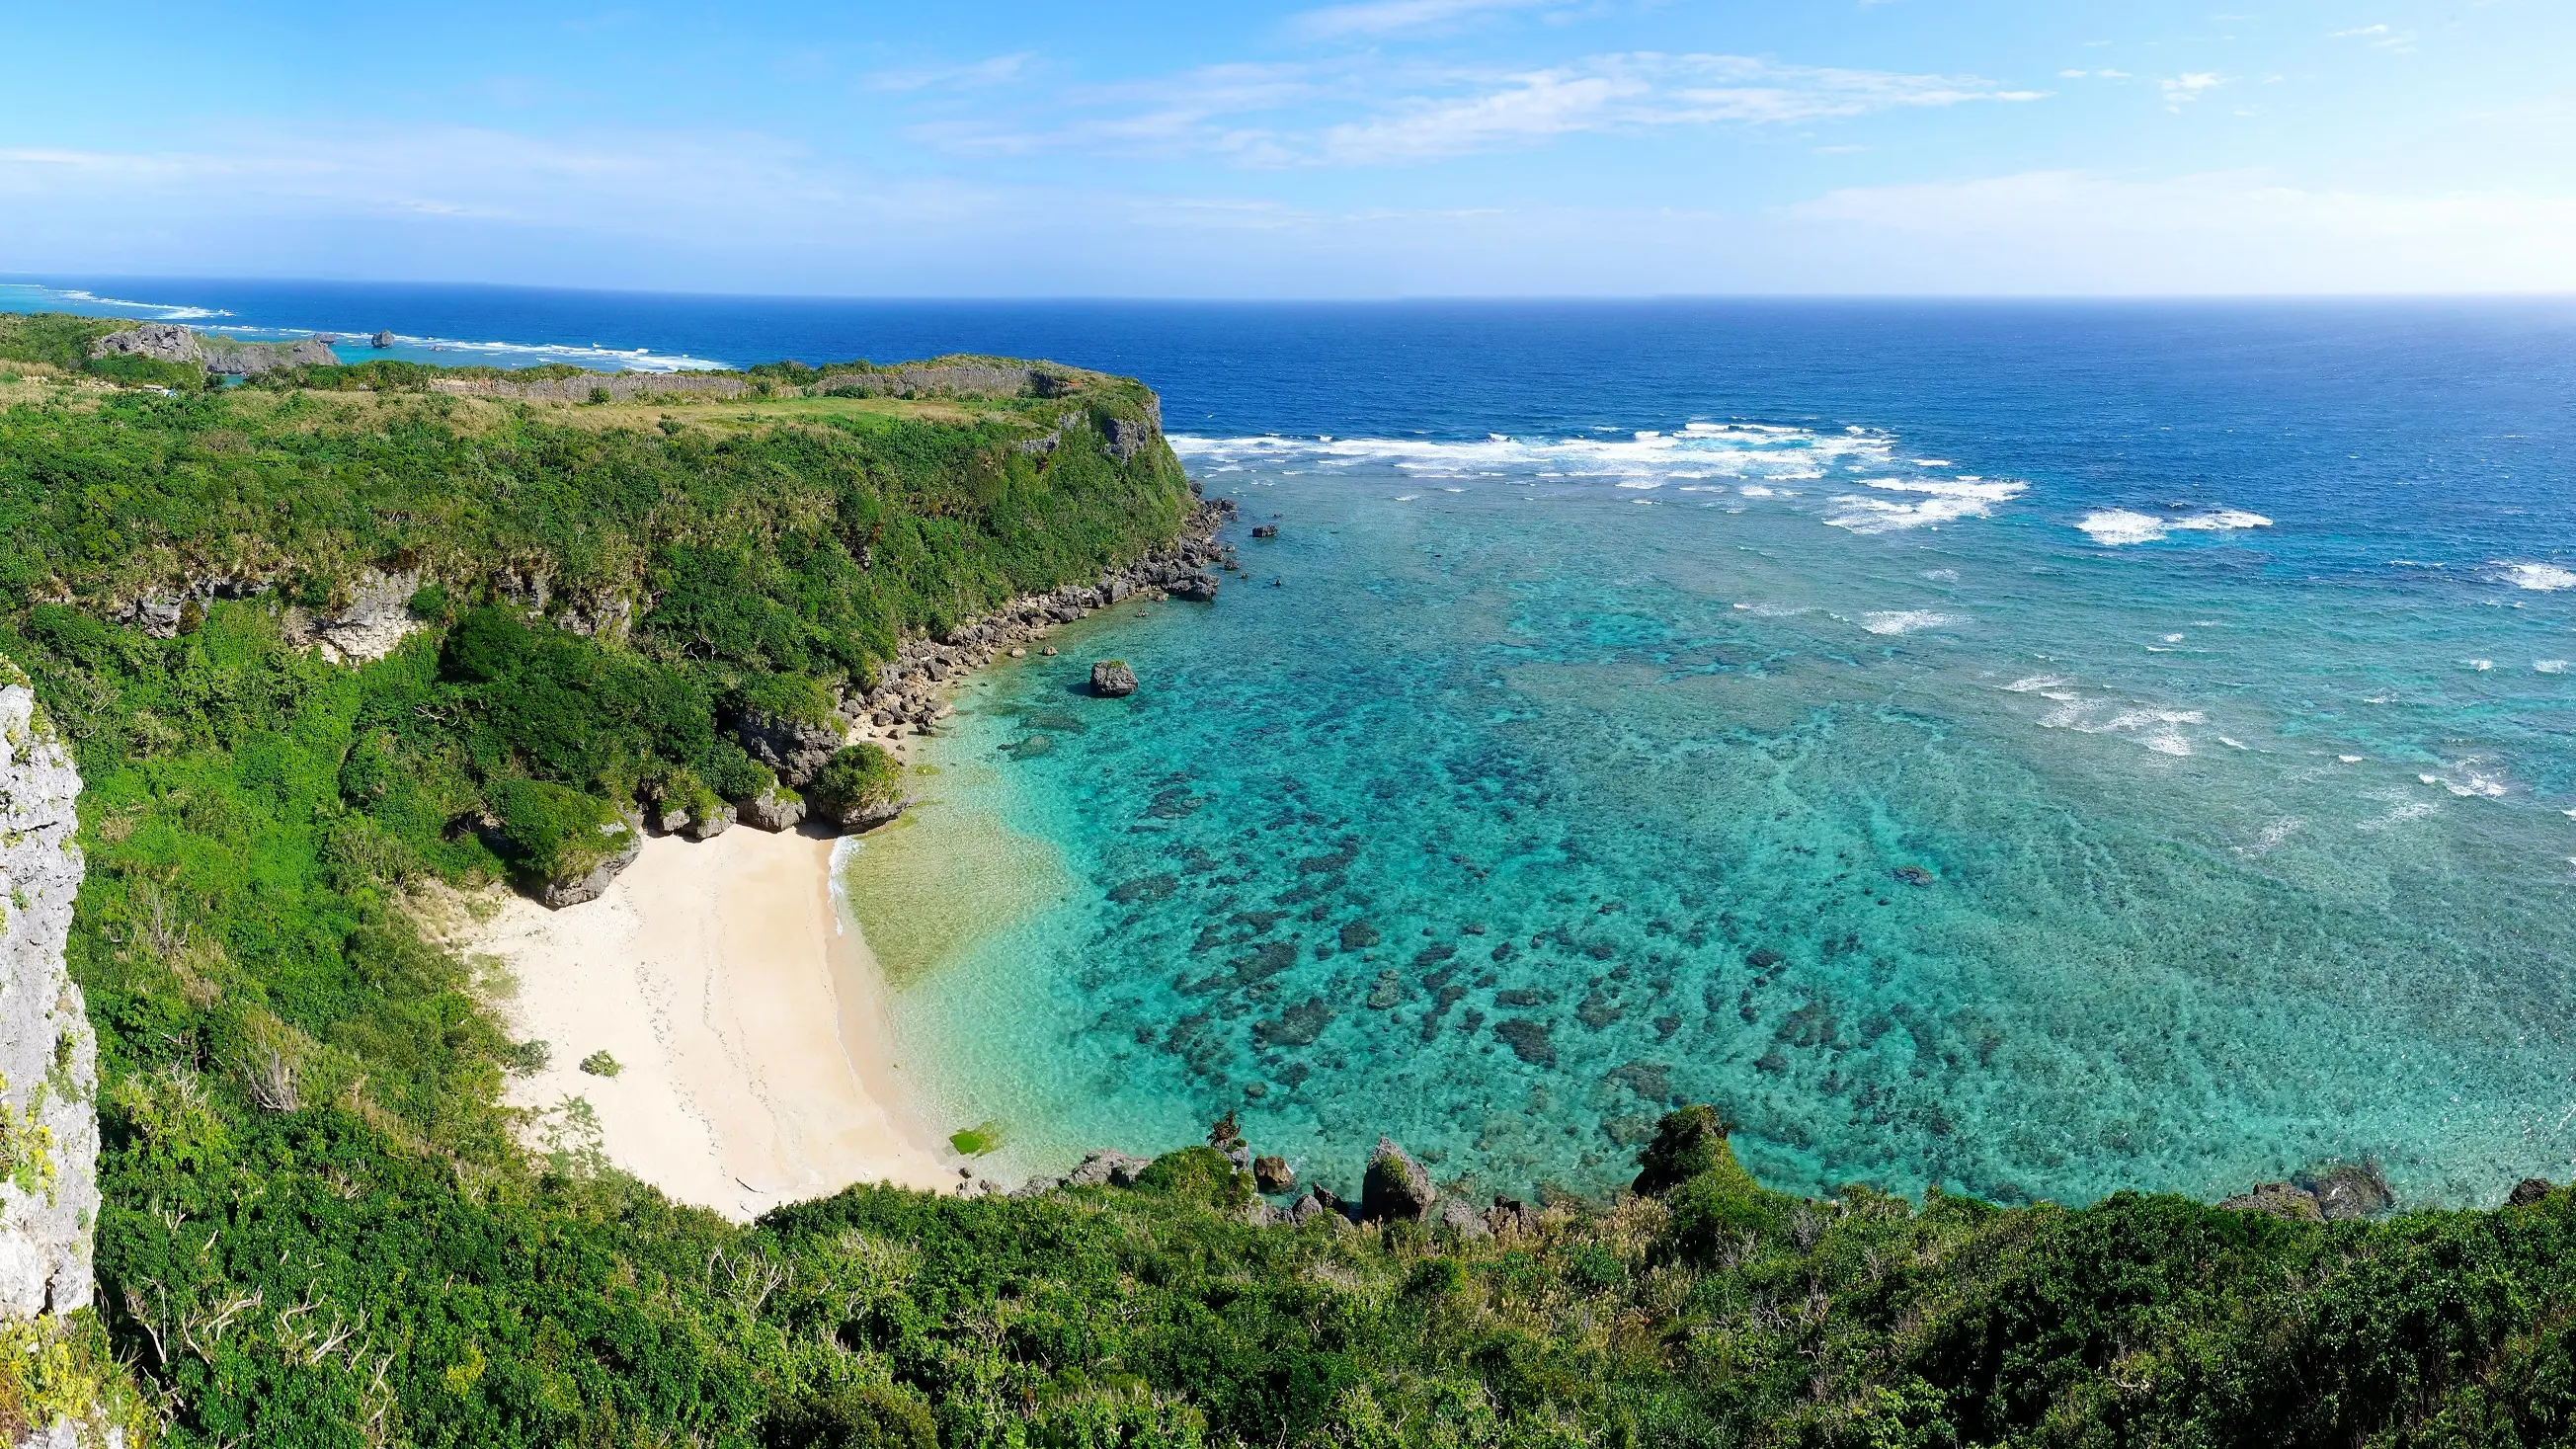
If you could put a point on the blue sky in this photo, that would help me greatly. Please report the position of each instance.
(1377, 148)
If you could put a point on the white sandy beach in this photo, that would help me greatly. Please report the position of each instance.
(745, 1021)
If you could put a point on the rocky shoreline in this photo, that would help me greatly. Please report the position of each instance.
(909, 696)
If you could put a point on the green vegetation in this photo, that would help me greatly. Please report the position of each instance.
(321, 1228)
(601, 1064)
(861, 777)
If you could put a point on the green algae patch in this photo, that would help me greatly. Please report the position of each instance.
(977, 1140)
(928, 887)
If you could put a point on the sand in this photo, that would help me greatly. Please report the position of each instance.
(746, 1023)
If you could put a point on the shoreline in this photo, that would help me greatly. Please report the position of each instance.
(734, 984)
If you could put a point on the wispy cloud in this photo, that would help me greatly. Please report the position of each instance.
(2379, 37)
(995, 71)
(1372, 18)
(1283, 115)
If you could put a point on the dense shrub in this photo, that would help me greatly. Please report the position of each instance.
(861, 777)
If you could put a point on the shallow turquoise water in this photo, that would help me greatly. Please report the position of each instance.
(1942, 827)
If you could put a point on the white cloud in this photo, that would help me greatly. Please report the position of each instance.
(2183, 89)
(1391, 17)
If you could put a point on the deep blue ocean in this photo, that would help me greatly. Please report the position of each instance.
(2033, 748)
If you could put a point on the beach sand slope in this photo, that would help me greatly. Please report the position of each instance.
(753, 1066)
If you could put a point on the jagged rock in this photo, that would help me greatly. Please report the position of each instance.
(47, 1053)
(377, 618)
(1239, 1153)
(1112, 679)
(792, 748)
(1103, 1165)
(170, 342)
(1463, 1220)
(1320, 1201)
(774, 809)
(709, 822)
(2528, 1191)
(1397, 1188)
(1272, 1174)
(381, 341)
(2279, 1200)
(1265, 530)
(1510, 1215)
(1126, 439)
(557, 894)
(159, 341)
(1198, 588)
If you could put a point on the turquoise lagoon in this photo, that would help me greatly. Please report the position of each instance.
(1946, 825)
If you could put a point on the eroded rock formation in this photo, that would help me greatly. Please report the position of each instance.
(48, 1108)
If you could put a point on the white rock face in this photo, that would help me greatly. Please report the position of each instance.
(48, 1109)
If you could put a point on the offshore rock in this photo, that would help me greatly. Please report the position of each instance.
(1198, 588)
(1272, 1174)
(1112, 679)
(1397, 1188)
(47, 1054)
(381, 341)
(793, 748)
(2528, 1191)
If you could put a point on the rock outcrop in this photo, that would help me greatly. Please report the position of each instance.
(591, 885)
(774, 809)
(905, 695)
(376, 618)
(170, 342)
(1397, 1188)
(48, 1057)
(793, 749)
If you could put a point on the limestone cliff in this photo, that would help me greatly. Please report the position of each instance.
(48, 1081)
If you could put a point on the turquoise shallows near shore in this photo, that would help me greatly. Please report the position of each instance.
(1939, 837)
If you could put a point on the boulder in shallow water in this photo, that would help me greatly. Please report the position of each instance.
(2528, 1191)
(1397, 1188)
(1199, 588)
(1112, 679)
(381, 341)
(1272, 1174)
